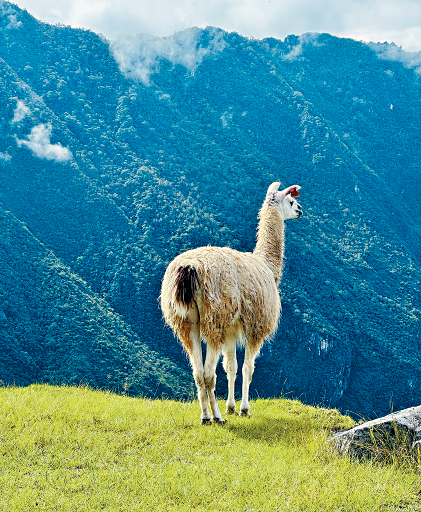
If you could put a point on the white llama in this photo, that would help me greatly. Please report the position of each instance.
(228, 297)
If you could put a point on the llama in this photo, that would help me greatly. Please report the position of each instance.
(227, 297)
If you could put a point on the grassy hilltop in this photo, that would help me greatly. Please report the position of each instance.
(74, 449)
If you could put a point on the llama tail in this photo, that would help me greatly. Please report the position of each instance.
(186, 284)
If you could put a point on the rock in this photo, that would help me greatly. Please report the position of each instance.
(381, 437)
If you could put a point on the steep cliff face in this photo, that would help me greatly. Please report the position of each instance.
(119, 155)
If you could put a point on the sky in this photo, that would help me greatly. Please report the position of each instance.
(397, 21)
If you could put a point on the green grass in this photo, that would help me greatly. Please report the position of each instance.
(74, 449)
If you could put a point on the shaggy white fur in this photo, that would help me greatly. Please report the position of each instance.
(227, 297)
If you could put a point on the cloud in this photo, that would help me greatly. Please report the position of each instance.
(138, 56)
(39, 143)
(373, 20)
(13, 22)
(408, 38)
(5, 157)
(297, 50)
(392, 52)
(21, 111)
(9, 13)
(226, 118)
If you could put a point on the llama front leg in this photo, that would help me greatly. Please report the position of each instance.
(230, 367)
(248, 370)
(212, 357)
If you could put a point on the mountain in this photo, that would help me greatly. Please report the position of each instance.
(117, 155)
(55, 329)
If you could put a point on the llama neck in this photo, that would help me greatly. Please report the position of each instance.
(270, 239)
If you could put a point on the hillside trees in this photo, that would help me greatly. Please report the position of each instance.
(184, 159)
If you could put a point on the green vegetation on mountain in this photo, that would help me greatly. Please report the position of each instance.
(75, 449)
(56, 329)
(119, 155)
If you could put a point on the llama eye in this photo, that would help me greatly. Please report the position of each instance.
(291, 203)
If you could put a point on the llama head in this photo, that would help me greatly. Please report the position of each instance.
(285, 200)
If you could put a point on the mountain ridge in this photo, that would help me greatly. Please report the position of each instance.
(184, 160)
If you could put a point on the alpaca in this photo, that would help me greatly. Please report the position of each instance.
(227, 297)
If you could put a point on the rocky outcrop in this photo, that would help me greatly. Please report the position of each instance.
(383, 436)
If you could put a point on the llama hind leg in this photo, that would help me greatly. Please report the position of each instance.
(199, 378)
(248, 369)
(194, 345)
(212, 357)
(230, 367)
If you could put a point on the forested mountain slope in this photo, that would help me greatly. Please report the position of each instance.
(55, 329)
(119, 155)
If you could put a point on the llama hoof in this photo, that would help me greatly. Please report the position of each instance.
(206, 421)
(219, 421)
(230, 410)
(244, 413)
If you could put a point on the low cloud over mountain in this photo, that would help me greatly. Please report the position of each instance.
(38, 141)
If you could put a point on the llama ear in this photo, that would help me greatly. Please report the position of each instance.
(289, 190)
(273, 188)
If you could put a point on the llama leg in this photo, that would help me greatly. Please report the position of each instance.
(230, 366)
(212, 357)
(248, 370)
(199, 377)
(196, 360)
